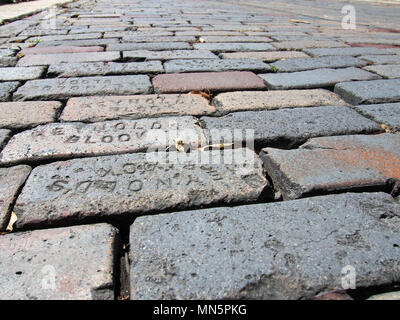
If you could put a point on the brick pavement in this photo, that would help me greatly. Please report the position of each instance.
(233, 149)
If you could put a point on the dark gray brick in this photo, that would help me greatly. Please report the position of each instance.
(266, 251)
(387, 71)
(388, 113)
(169, 54)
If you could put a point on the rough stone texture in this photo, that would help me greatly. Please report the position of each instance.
(177, 66)
(292, 65)
(126, 185)
(77, 43)
(66, 70)
(287, 250)
(387, 71)
(21, 73)
(234, 46)
(265, 56)
(4, 135)
(134, 38)
(277, 99)
(369, 92)
(216, 81)
(315, 78)
(66, 140)
(334, 163)
(59, 37)
(301, 44)
(80, 258)
(39, 59)
(11, 180)
(130, 46)
(208, 39)
(93, 109)
(8, 61)
(386, 296)
(60, 49)
(355, 51)
(382, 59)
(388, 113)
(6, 89)
(169, 55)
(49, 89)
(22, 115)
(288, 126)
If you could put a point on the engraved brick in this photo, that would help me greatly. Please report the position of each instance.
(265, 56)
(11, 180)
(330, 164)
(287, 126)
(268, 100)
(234, 46)
(67, 70)
(287, 250)
(368, 92)
(216, 81)
(126, 185)
(66, 140)
(21, 73)
(315, 78)
(38, 59)
(94, 109)
(48, 89)
(75, 263)
(22, 115)
(198, 65)
(60, 49)
(168, 55)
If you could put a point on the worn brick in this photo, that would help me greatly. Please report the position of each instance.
(382, 59)
(4, 135)
(208, 39)
(355, 51)
(66, 140)
(7, 88)
(48, 89)
(21, 73)
(8, 61)
(78, 43)
(287, 126)
(388, 71)
(93, 109)
(60, 49)
(208, 33)
(169, 54)
(293, 65)
(302, 44)
(388, 113)
(22, 115)
(11, 181)
(130, 46)
(215, 81)
(287, 250)
(66, 70)
(58, 37)
(134, 38)
(80, 258)
(331, 164)
(277, 99)
(38, 59)
(317, 78)
(368, 92)
(126, 185)
(234, 46)
(199, 65)
(265, 56)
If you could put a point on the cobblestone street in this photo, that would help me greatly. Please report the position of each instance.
(171, 149)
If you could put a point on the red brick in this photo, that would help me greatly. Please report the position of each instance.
(213, 81)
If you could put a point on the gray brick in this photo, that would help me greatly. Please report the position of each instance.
(388, 113)
(78, 43)
(67, 70)
(81, 260)
(209, 39)
(382, 59)
(265, 56)
(302, 44)
(66, 37)
(292, 65)
(134, 38)
(176, 66)
(266, 251)
(288, 126)
(169, 55)
(4, 135)
(387, 71)
(234, 46)
(315, 78)
(11, 181)
(77, 139)
(355, 51)
(49, 89)
(369, 92)
(21, 73)
(124, 186)
(130, 46)
(6, 89)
